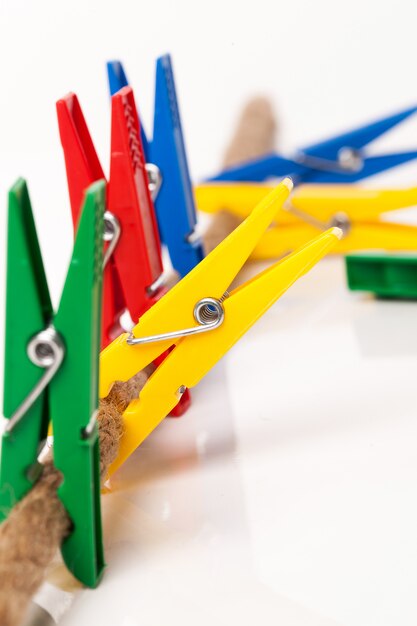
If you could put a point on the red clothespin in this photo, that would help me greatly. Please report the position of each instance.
(133, 262)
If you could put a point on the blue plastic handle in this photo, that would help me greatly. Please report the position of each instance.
(174, 204)
(275, 165)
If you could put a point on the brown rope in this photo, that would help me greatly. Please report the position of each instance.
(255, 133)
(254, 136)
(37, 525)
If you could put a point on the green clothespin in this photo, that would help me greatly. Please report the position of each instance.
(51, 375)
(385, 275)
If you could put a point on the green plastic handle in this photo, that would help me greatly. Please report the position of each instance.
(74, 393)
(28, 311)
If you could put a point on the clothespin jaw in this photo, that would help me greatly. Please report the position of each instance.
(83, 168)
(385, 275)
(28, 311)
(65, 394)
(222, 318)
(76, 446)
(174, 201)
(351, 145)
(314, 208)
(81, 161)
(341, 159)
(138, 252)
(360, 214)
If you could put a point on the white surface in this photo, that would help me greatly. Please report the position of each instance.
(287, 494)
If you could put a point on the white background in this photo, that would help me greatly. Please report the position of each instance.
(327, 65)
(287, 494)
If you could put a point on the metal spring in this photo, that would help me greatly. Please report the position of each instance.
(208, 313)
(46, 350)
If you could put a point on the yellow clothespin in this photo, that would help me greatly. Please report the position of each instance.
(314, 208)
(202, 320)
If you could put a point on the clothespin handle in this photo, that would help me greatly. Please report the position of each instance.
(138, 254)
(74, 394)
(28, 311)
(167, 151)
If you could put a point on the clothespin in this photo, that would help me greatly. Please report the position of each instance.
(133, 262)
(168, 168)
(202, 320)
(357, 211)
(133, 274)
(66, 346)
(340, 159)
(385, 275)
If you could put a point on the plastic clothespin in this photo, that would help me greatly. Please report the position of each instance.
(341, 159)
(133, 275)
(168, 167)
(134, 268)
(313, 208)
(202, 320)
(51, 375)
(385, 275)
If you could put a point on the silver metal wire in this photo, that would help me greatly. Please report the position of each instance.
(112, 231)
(342, 221)
(305, 217)
(46, 350)
(154, 178)
(348, 160)
(89, 429)
(208, 313)
(194, 237)
(156, 285)
(339, 219)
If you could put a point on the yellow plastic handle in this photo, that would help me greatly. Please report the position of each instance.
(322, 201)
(194, 356)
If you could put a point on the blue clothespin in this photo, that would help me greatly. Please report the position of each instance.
(341, 159)
(168, 168)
